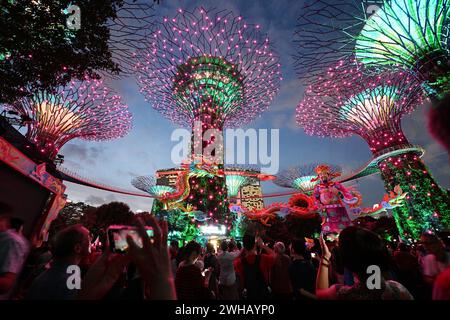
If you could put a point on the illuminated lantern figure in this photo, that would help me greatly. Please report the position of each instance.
(331, 198)
(346, 100)
(208, 70)
(83, 109)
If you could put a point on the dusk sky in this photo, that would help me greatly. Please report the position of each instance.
(148, 146)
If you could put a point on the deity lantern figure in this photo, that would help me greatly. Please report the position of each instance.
(330, 197)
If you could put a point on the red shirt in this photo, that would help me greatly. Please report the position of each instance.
(265, 264)
(189, 283)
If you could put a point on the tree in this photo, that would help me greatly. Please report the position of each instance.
(40, 52)
(71, 214)
(97, 221)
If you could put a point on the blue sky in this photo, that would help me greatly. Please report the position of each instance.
(147, 147)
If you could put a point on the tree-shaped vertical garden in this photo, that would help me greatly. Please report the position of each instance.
(347, 100)
(86, 109)
(208, 70)
(412, 34)
(301, 177)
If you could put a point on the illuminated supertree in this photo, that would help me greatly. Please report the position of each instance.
(347, 101)
(299, 177)
(208, 70)
(412, 34)
(83, 109)
(148, 184)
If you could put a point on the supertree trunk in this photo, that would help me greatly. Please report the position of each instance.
(427, 206)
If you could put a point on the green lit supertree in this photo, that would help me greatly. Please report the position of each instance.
(346, 101)
(301, 177)
(208, 70)
(412, 34)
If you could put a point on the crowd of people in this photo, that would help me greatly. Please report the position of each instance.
(358, 265)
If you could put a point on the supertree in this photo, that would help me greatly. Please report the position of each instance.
(83, 109)
(208, 70)
(382, 34)
(346, 101)
(148, 184)
(132, 24)
(299, 177)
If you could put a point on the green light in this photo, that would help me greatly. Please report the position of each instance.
(209, 80)
(160, 190)
(404, 32)
(371, 108)
(234, 183)
(304, 183)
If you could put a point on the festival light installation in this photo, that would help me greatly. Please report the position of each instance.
(412, 34)
(86, 109)
(234, 183)
(148, 184)
(346, 101)
(299, 177)
(208, 70)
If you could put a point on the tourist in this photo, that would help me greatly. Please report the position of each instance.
(301, 272)
(228, 288)
(253, 269)
(14, 250)
(71, 245)
(173, 251)
(360, 248)
(408, 269)
(436, 260)
(441, 289)
(210, 262)
(280, 282)
(189, 282)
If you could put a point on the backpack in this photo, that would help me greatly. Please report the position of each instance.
(254, 281)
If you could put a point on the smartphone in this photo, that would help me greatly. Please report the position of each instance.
(117, 236)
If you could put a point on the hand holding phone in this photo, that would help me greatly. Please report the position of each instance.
(117, 236)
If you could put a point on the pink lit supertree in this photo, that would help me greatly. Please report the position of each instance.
(83, 109)
(346, 100)
(208, 70)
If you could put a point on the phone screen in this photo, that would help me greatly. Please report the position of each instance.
(118, 238)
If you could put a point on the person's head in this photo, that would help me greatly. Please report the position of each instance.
(298, 247)
(17, 224)
(174, 244)
(192, 251)
(432, 243)
(361, 248)
(402, 247)
(224, 246)
(210, 248)
(238, 245)
(72, 243)
(5, 216)
(279, 247)
(249, 242)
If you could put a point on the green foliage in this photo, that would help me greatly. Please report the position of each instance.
(427, 205)
(38, 51)
(71, 214)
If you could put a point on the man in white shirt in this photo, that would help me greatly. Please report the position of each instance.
(227, 277)
(14, 249)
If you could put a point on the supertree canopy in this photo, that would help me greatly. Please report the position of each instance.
(208, 70)
(411, 33)
(148, 184)
(83, 109)
(128, 30)
(382, 34)
(299, 177)
(346, 101)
